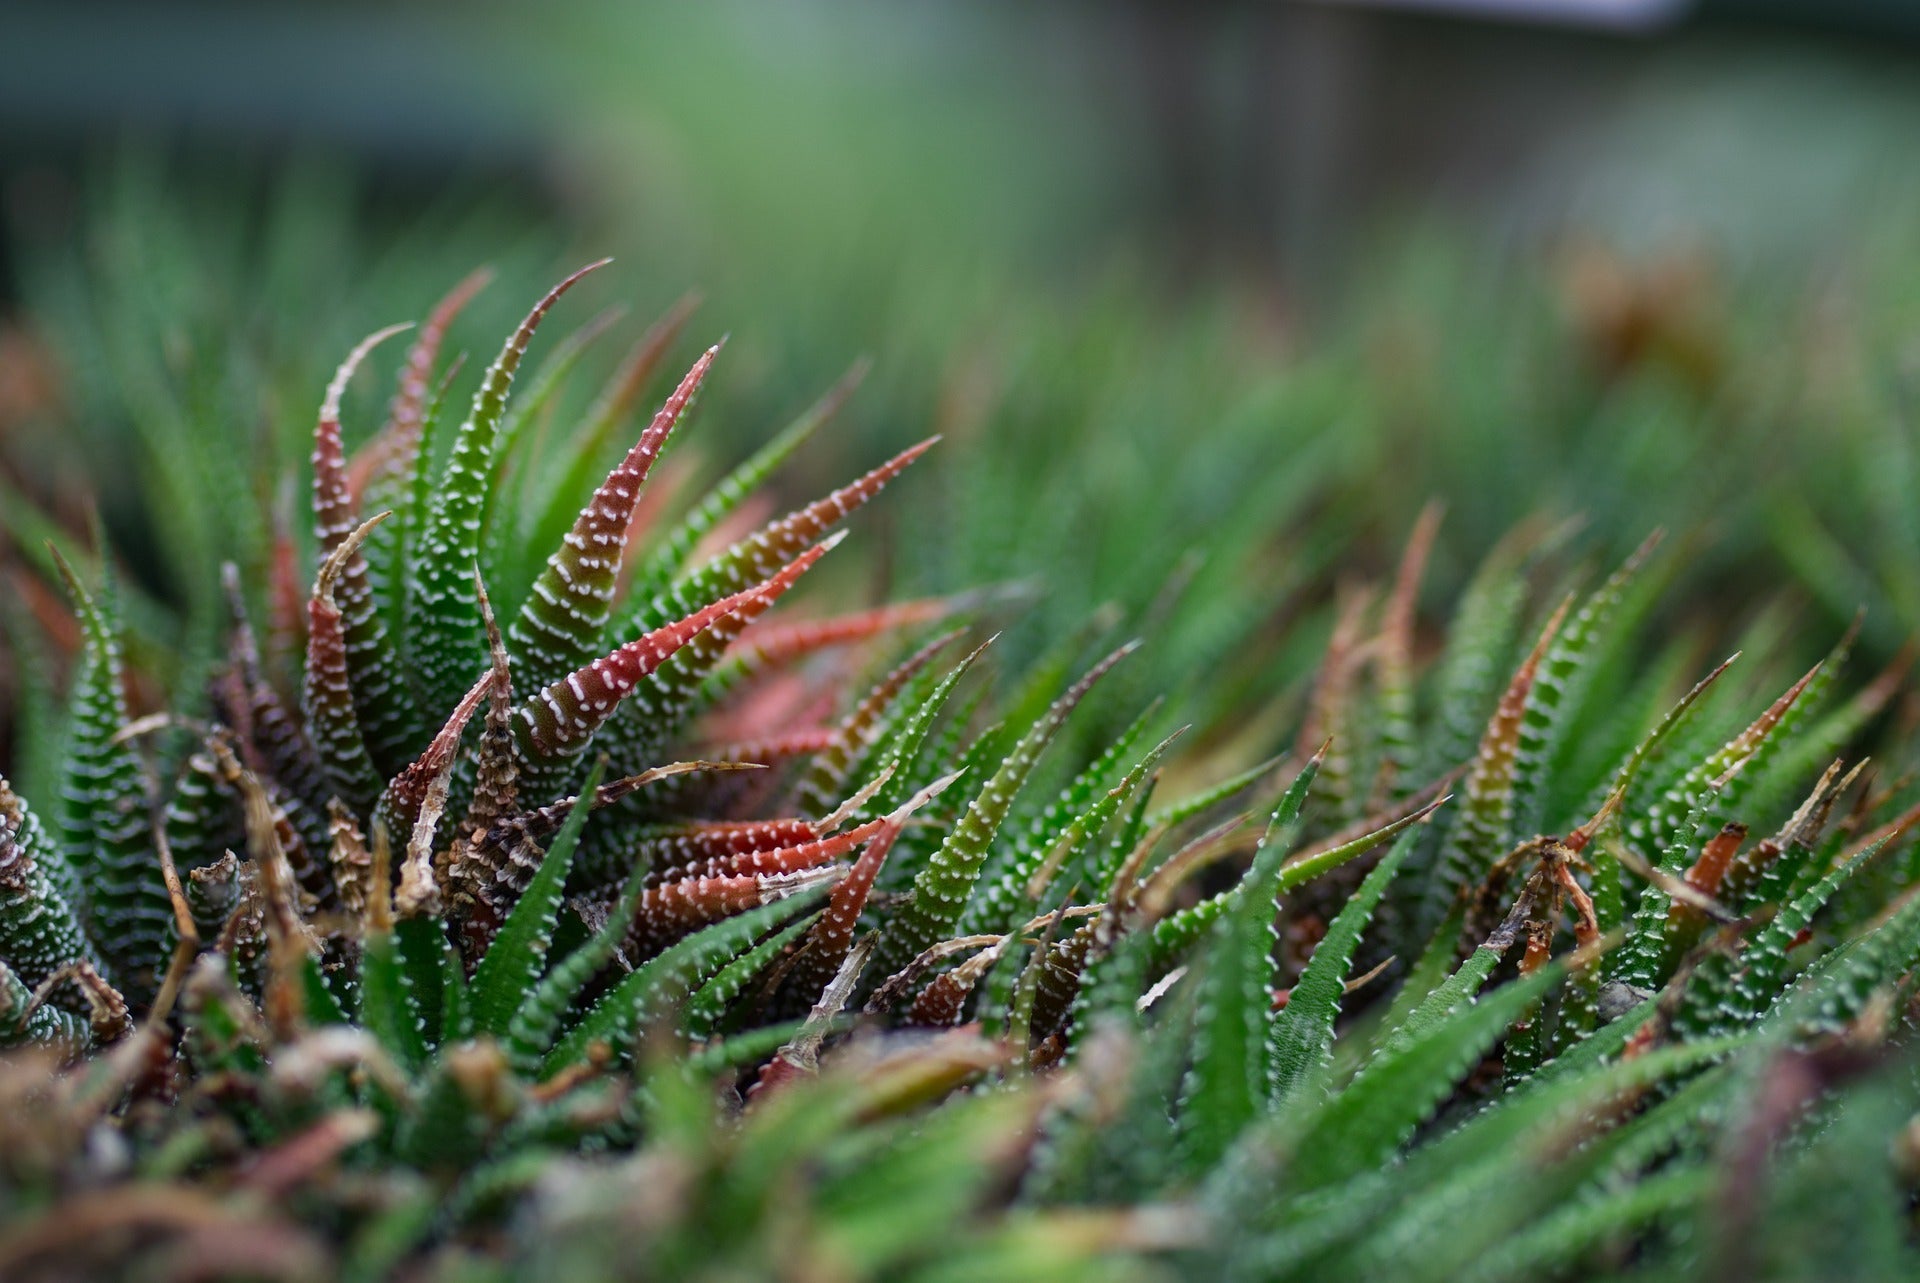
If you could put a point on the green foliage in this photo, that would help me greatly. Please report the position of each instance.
(645, 934)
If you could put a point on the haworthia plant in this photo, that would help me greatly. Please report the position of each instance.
(549, 897)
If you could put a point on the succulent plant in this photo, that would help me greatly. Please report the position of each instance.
(522, 901)
(468, 899)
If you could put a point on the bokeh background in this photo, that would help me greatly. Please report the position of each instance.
(1209, 298)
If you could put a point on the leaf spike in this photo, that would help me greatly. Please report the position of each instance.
(888, 993)
(1300, 1038)
(421, 885)
(669, 558)
(1670, 723)
(671, 910)
(1889, 832)
(393, 451)
(503, 517)
(1045, 865)
(942, 1003)
(781, 643)
(829, 938)
(824, 513)
(1711, 783)
(783, 746)
(560, 626)
(681, 685)
(109, 1019)
(856, 802)
(862, 727)
(1393, 657)
(1150, 899)
(333, 502)
(1398, 614)
(808, 854)
(327, 578)
(547, 501)
(327, 694)
(83, 603)
(759, 554)
(404, 797)
(496, 772)
(104, 825)
(488, 870)
(687, 844)
(630, 380)
(451, 538)
(1123, 889)
(1741, 750)
(560, 719)
(945, 883)
(800, 1058)
(1562, 684)
(1485, 821)
(290, 941)
(1310, 864)
(1228, 1081)
(267, 728)
(1329, 710)
(546, 819)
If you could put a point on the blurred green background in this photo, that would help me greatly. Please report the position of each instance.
(1209, 298)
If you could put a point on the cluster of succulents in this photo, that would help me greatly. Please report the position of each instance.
(521, 898)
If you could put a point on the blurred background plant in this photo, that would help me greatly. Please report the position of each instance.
(1233, 286)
